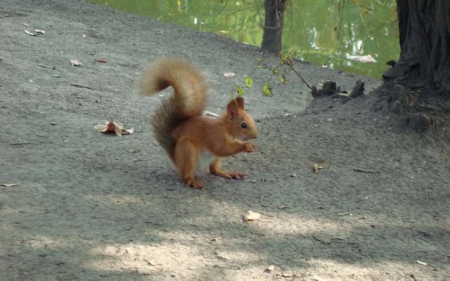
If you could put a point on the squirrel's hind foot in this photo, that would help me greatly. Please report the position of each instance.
(195, 184)
(228, 175)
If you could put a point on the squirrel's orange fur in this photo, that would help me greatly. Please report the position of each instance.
(182, 130)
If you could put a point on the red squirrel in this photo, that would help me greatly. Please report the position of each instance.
(180, 127)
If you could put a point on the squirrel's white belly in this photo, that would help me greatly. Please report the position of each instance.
(205, 158)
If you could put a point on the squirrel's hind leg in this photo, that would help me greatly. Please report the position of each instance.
(186, 159)
(215, 169)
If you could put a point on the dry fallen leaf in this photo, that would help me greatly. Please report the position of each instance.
(252, 216)
(422, 263)
(344, 94)
(100, 60)
(113, 127)
(29, 33)
(76, 63)
(229, 74)
(270, 268)
(9, 184)
(319, 166)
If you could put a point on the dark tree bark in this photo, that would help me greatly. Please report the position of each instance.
(273, 25)
(424, 27)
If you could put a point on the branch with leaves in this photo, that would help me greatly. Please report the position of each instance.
(286, 64)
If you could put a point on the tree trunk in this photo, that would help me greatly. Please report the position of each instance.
(273, 25)
(424, 27)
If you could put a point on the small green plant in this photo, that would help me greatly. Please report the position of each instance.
(287, 59)
(248, 81)
(286, 64)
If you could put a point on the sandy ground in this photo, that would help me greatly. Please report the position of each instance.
(93, 207)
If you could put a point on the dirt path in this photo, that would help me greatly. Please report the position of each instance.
(91, 207)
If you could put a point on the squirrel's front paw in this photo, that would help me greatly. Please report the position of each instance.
(249, 147)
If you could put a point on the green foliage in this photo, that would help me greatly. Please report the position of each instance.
(248, 81)
(287, 57)
(267, 90)
(240, 91)
(286, 64)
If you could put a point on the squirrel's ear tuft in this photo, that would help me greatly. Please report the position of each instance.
(240, 102)
(232, 109)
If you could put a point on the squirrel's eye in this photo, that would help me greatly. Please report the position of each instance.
(243, 125)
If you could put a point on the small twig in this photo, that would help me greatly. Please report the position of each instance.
(221, 10)
(81, 86)
(367, 171)
(303, 80)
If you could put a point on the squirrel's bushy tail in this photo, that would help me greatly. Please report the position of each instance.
(189, 99)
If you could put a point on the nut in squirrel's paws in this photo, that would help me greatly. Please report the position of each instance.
(249, 147)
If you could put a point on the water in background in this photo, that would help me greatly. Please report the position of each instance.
(331, 33)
